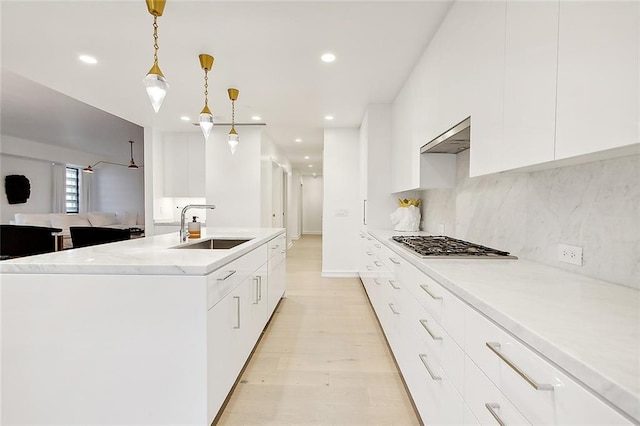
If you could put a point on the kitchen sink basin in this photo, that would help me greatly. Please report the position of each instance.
(214, 244)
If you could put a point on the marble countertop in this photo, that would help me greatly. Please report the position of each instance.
(587, 327)
(152, 255)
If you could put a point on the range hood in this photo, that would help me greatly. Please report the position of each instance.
(453, 141)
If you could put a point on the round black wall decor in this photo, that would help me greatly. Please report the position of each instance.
(18, 188)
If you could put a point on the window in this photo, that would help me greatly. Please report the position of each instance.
(72, 190)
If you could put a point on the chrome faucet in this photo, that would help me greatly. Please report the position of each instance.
(183, 234)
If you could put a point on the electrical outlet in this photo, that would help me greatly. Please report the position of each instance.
(570, 254)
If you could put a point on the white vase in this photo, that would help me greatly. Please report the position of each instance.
(406, 219)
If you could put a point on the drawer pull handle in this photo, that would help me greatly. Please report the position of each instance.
(492, 407)
(393, 309)
(394, 261)
(375, 280)
(237, 299)
(495, 347)
(393, 284)
(369, 253)
(426, 290)
(369, 238)
(426, 327)
(369, 268)
(257, 282)
(275, 247)
(423, 358)
(227, 276)
(378, 245)
(377, 263)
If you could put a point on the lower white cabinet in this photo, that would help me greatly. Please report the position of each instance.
(242, 296)
(277, 271)
(460, 367)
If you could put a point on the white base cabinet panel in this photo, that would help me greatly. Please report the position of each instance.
(460, 367)
(130, 349)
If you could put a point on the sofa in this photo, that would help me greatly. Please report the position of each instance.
(121, 220)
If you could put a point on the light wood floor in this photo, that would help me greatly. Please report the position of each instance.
(323, 358)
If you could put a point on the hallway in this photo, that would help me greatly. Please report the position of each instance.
(323, 358)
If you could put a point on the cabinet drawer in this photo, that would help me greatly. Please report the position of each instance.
(486, 402)
(543, 394)
(222, 281)
(441, 346)
(277, 250)
(433, 393)
(444, 307)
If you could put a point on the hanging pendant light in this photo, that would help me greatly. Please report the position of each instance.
(206, 118)
(154, 82)
(233, 138)
(132, 164)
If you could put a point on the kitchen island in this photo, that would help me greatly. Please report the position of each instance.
(135, 332)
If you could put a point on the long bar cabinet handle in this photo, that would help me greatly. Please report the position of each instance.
(426, 290)
(227, 276)
(237, 298)
(426, 327)
(377, 263)
(377, 281)
(423, 358)
(394, 261)
(495, 348)
(492, 407)
(393, 284)
(393, 309)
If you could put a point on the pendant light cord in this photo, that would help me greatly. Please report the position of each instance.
(233, 114)
(206, 87)
(155, 39)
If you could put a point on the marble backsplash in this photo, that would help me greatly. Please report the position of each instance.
(595, 206)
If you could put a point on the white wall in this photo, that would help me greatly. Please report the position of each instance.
(117, 189)
(233, 180)
(122, 189)
(39, 174)
(294, 220)
(312, 201)
(341, 212)
(595, 206)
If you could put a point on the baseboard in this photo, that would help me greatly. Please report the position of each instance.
(312, 233)
(339, 274)
(295, 237)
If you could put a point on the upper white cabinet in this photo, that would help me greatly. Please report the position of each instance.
(531, 61)
(485, 22)
(598, 76)
(184, 165)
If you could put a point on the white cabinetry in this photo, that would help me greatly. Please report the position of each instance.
(459, 367)
(598, 89)
(531, 60)
(184, 165)
(241, 297)
(485, 70)
(277, 271)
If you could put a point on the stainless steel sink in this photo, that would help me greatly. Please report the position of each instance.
(214, 244)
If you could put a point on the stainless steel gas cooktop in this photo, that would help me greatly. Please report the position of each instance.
(439, 246)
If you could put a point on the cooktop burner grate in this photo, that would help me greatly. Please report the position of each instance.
(442, 246)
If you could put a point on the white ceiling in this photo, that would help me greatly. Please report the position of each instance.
(269, 50)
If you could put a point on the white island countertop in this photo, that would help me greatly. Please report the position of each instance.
(153, 255)
(588, 327)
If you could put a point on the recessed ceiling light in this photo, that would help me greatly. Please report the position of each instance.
(88, 59)
(185, 118)
(328, 117)
(298, 140)
(328, 57)
(256, 117)
(313, 174)
(306, 157)
(310, 165)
